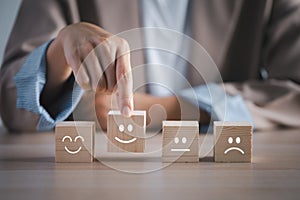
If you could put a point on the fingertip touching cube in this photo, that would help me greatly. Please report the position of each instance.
(126, 134)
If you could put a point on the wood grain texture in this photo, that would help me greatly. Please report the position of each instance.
(74, 141)
(28, 171)
(120, 137)
(233, 142)
(180, 141)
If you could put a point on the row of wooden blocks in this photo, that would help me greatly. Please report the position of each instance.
(180, 143)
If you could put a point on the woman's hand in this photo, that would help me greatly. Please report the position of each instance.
(98, 60)
(157, 109)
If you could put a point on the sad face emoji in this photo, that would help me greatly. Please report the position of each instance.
(233, 148)
(233, 142)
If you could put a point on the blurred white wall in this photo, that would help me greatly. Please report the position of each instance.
(8, 12)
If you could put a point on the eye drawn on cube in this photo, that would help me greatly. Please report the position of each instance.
(126, 134)
(180, 141)
(233, 141)
(74, 141)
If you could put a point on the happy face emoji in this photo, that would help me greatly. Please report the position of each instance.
(122, 130)
(75, 140)
(126, 134)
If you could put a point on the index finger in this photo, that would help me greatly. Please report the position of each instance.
(124, 81)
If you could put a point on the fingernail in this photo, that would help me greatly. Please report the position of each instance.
(131, 103)
(126, 111)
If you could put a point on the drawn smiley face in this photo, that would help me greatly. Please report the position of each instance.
(67, 137)
(237, 141)
(126, 134)
(122, 130)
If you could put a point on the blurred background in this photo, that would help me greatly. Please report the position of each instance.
(8, 10)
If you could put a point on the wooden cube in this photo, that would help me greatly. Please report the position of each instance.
(233, 141)
(126, 134)
(180, 141)
(74, 141)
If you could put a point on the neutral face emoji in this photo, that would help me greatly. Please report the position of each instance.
(180, 141)
(183, 140)
(71, 140)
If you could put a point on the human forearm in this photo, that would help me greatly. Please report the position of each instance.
(180, 109)
(272, 103)
(57, 73)
(78, 49)
(175, 109)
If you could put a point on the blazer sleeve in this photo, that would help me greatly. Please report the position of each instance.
(36, 24)
(275, 100)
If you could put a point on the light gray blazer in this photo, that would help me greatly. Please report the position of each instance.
(242, 36)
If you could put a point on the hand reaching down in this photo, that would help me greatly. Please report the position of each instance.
(99, 61)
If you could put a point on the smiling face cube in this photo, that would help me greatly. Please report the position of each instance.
(126, 134)
(180, 141)
(233, 141)
(74, 141)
